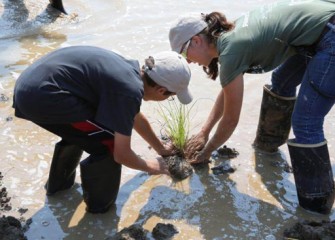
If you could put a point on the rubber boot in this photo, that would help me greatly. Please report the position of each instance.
(274, 121)
(58, 4)
(100, 180)
(313, 176)
(62, 172)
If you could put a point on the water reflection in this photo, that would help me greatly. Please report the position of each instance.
(63, 215)
(274, 172)
(212, 204)
(18, 20)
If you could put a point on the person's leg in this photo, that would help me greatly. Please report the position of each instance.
(100, 174)
(100, 181)
(277, 104)
(64, 162)
(309, 152)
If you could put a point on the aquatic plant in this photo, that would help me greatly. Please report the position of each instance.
(176, 123)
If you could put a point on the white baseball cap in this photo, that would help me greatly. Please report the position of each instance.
(184, 30)
(171, 70)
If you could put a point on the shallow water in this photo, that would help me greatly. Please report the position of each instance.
(258, 201)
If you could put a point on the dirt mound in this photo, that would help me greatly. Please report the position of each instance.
(11, 228)
(311, 230)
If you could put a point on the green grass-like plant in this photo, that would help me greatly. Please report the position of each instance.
(176, 123)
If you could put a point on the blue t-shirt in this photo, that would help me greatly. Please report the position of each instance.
(81, 83)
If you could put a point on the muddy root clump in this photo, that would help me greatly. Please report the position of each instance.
(178, 167)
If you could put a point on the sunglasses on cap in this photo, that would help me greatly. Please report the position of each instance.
(184, 50)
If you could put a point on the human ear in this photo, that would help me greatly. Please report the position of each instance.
(161, 90)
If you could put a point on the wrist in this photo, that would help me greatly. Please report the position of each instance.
(205, 132)
(211, 146)
(158, 147)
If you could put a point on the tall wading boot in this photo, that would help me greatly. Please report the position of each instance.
(274, 121)
(100, 179)
(313, 176)
(62, 172)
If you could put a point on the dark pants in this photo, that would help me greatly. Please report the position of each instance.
(100, 174)
(89, 136)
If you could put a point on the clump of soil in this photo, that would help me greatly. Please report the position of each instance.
(3, 98)
(136, 232)
(4, 199)
(223, 168)
(178, 167)
(164, 231)
(133, 232)
(10, 227)
(311, 230)
(226, 152)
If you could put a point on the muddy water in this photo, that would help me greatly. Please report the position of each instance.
(257, 201)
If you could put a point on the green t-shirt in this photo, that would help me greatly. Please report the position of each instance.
(266, 37)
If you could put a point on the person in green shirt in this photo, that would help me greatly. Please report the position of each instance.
(295, 39)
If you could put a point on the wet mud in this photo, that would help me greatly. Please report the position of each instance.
(226, 152)
(11, 228)
(311, 230)
(136, 232)
(179, 168)
(133, 232)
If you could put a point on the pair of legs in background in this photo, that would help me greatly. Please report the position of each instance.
(100, 174)
(308, 150)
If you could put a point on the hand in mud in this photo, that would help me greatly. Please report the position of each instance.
(195, 144)
(199, 157)
(160, 168)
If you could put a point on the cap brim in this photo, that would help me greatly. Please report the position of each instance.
(185, 97)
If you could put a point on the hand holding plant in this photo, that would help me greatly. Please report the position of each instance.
(195, 144)
(167, 150)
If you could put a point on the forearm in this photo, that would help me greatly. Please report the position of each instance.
(131, 160)
(232, 99)
(223, 132)
(144, 129)
(124, 155)
(215, 114)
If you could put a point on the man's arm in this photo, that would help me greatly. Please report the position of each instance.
(124, 155)
(144, 129)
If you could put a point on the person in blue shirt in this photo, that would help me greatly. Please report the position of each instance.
(91, 98)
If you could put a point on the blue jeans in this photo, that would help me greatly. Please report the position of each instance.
(317, 91)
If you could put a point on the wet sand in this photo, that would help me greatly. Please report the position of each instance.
(257, 201)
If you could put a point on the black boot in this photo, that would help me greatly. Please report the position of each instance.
(100, 180)
(313, 176)
(62, 172)
(58, 4)
(274, 121)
